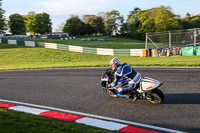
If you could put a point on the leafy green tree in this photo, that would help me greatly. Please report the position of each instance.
(98, 24)
(133, 23)
(43, 23)
(157, 20)
(196, 21)
(146, 20)
(88, 30)
(3, 25)
(165, 20)
(132, 16)
(73, 26)
(17, 24)
(114, 22)
(31, 23)
(85, 18)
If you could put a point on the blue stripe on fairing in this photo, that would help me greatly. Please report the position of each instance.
(120, 95)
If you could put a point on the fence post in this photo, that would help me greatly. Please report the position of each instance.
(170, 40)
(195, 37)
(146, 41)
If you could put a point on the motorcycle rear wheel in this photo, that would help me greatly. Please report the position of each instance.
(156, 96)
(109, 92)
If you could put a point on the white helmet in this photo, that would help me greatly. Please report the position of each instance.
(114, 63)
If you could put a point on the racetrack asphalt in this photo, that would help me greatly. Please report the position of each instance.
(78, 89)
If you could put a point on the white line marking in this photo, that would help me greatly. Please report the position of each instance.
(96, 116)
(102, 124)
(28, 110)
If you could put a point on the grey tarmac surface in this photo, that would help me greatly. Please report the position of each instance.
(78, 89)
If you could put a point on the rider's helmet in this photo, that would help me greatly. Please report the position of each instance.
(114, 63)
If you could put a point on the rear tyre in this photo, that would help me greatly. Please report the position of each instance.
(109, 92)
(156, 96)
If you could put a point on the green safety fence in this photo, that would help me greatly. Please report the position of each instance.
(197, 50)
(190, 51)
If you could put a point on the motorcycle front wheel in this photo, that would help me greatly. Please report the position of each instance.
(109, 92)
(156, 96)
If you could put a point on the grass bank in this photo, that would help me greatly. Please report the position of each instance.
(17, 57)
(19, 122)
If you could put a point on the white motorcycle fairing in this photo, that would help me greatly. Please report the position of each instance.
(148, 84)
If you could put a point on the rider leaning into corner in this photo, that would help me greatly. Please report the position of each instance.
(125, 73)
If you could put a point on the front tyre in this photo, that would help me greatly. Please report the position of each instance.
(109, 92)
(156, 96)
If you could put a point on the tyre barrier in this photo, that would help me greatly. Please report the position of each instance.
(166, 52)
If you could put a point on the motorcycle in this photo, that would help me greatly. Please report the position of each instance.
(147, 88)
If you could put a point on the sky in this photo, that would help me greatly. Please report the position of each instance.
(61, 10)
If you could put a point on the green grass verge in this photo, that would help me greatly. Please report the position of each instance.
(18, 57)
(19, 122)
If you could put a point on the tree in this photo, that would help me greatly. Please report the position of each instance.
(85, 18)
(114, 21)
(73, 26)
(196, 21)
(165, 20)
(98, 24)
(132, 23)
(132, 16)
(17, 24)
(102, 15)
(146, 20)
(3, 25)
(157, 20)
(31, 24)
(88, 30)
(43, 23)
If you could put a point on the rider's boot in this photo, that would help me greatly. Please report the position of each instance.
(133, 95)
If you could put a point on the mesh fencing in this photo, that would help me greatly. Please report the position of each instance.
(171, 39)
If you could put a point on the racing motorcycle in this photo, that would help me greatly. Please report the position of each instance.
(147, 88)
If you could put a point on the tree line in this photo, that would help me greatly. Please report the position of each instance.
(32, 22)
(138, 23)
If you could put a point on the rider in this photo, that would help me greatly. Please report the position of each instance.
(126, 73)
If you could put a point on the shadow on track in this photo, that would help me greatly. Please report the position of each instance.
(182, 98)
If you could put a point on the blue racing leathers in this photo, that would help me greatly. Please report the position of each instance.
(125, 73)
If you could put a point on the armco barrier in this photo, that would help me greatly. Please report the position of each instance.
(88, 50)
